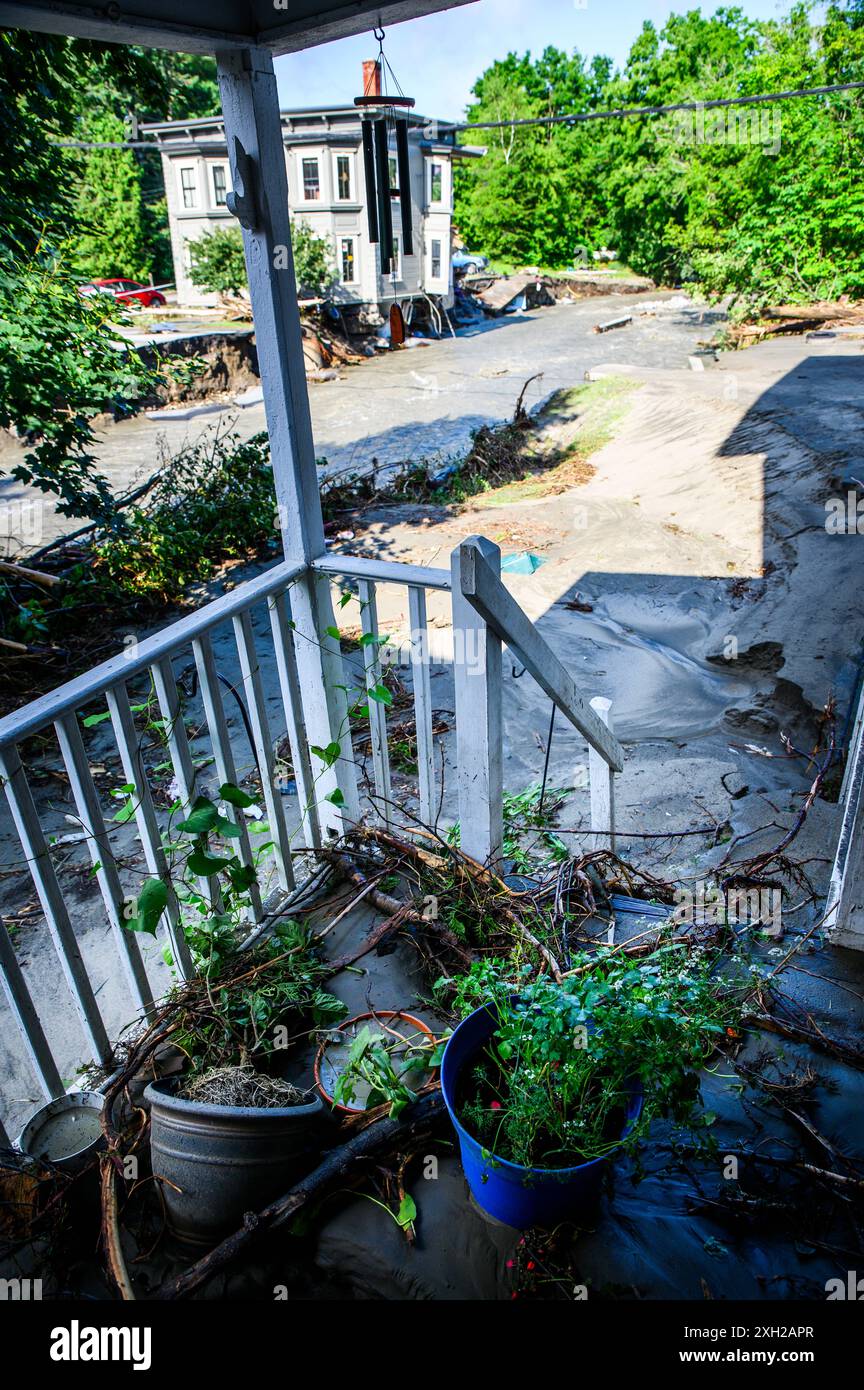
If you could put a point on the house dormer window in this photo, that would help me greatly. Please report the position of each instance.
(189, 186)
(436, 181)
(311, 180)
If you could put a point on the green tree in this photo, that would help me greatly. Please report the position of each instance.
(313, 268)
(112, 236)
(765, 203)
(60, 366)
(216, 261)
(218, 264)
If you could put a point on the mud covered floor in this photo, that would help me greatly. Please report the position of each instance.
(687, 1230)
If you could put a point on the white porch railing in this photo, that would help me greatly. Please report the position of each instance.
(484, 617)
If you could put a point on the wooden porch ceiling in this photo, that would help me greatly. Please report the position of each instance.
(207, 26)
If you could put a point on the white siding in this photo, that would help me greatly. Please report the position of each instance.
(329, 215)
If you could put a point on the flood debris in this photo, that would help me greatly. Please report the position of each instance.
(784, 319)
(622, 322)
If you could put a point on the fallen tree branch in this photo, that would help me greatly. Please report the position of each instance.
(341, 1165)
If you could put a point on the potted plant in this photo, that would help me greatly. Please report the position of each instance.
(230, 1134)
(381, 1058)
(545, 1082)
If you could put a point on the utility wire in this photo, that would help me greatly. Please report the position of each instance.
(624, 111)
(620, 113)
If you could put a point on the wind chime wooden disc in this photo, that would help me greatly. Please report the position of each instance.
(397, 325)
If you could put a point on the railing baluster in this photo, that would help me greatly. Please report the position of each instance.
(377, 714)
(175, 730)
(601, 779)
(53, 903)
(21, 1004)
(479, 730)
(181, 754)
(289, 684)
(420, 663)
(102, 857)
(220, 739)
(254, 688)
(135, 773)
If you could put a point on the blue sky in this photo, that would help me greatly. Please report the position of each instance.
(437, 59)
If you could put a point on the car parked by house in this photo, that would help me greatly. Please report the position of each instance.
(469, 262)
(127, 291)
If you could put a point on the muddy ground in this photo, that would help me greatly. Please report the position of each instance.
(423, 402)
(688, 575)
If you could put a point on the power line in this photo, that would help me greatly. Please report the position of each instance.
(623, 111)
(619, 113)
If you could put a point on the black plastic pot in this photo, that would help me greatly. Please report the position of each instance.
(225, 1159)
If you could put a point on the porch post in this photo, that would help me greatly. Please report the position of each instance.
(253, 130)
(477, 684)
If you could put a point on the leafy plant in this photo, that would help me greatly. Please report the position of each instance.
(522, 813)
(60, 366)
(552, 1086)
(214, 501)
(383, 1064)
(218, 263)
(249, 994)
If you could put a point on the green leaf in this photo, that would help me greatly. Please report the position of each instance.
(234, 796)
(381, 694)
(227, 828)
(327, 755)
(369, 639)
(345, 597)
(335, 797)
(333, 632)
(242, 876)
(204, 865)
(201, 818)
(93, 719)
(152, 901)
(407, 1212)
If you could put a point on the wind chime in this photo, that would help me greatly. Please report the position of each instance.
(381, 113)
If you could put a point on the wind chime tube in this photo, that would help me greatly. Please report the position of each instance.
(369, 171)
(382, 172)
(404, 171)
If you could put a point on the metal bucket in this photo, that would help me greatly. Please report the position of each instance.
(66, 1131)
(225, 1160)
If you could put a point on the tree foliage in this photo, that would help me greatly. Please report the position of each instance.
(60, 366)
(218, 264)
(216, 261)
(764, 201)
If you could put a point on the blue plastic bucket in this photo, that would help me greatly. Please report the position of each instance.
(520, 1197)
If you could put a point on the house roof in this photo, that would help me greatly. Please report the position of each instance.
(204, 26)
(167, 132)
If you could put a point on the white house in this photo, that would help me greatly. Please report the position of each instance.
(327, 190)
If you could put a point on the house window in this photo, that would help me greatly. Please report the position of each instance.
(189, 187)
(343, 178)
(435, 260)
(311, 181)
(394, 172)
(396, 257)
(220, 185)
(436, 182)
(346, 260)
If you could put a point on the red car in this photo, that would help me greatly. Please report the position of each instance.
(125, 291)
